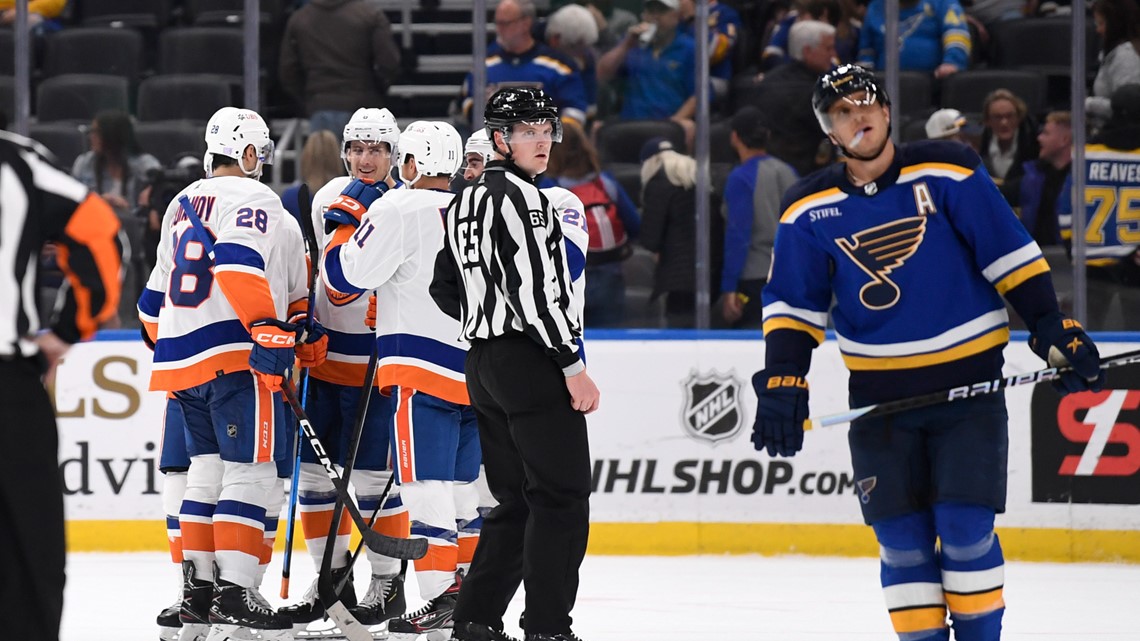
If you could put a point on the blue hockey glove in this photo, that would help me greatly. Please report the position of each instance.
(357, 197)
(781, 411)
(273, 350)
(1062, 342)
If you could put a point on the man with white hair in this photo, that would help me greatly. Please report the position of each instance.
(796, 137)
(517, 59)
(573, 32)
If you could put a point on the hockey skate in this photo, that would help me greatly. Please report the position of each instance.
(384, 600)
(304, 615)
(464, 631)
(170, 622)
(561, 636)
(239, 614)
(194, 610)
(433, 621)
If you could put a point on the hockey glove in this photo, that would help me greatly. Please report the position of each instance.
(781, 410)
(370, 315)
(312, 345)
(273, 350)
(357, 197)
(1062, 342)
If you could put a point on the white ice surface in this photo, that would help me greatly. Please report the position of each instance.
(115, 597)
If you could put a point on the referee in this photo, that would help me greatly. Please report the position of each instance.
(503, 273)
(40, 203)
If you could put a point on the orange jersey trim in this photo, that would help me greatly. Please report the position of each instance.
(422, 380)
(173, 380)
(248, 294)
(340, 373)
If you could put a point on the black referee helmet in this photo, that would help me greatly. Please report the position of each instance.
(515, 105)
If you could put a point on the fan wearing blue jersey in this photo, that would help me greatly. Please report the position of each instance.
(891, 234)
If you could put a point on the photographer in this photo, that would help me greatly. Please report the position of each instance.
(161, 186)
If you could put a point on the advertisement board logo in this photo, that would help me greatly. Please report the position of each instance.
(712, 410)
(1086, 446)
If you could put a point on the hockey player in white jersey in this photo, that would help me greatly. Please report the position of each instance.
(223, 351)
(370, 137)
(421, 364)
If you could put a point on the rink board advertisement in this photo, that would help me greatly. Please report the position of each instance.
(674, 469)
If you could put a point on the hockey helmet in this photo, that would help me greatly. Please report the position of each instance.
(435, 146)
(370, 125)
(838, 84)
(230, 130)
(515, 105)
(479, 143)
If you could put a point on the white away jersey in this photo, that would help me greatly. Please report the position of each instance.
(203, 309)
(571, 213)
(394, 250)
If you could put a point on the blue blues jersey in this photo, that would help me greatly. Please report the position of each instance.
(724, 28)
(540, 66)
(932, 32)
(1112, 204)
(917, 262)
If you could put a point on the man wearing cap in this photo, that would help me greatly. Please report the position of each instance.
(658, 65)
(1033, 194)
(945, 124)
(752, 213)
(1112, 173)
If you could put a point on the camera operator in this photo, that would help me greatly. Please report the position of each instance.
(162, 185)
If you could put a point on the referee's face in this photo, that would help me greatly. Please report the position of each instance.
(530, 146)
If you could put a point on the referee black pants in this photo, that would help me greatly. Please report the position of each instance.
(32, 549)
(537, 460)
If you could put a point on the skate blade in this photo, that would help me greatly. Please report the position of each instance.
(238, 633)
(168, 633)
(430, 635)
(193, 632)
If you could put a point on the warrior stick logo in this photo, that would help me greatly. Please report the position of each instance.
(880, 250)
(712, 410)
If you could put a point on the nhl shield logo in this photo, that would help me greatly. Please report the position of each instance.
(712, 410)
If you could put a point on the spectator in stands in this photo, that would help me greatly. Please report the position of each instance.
(613, 22)
(784, 95)
(320, 163)
(837, 13)
(1008, 140)
(573, 31)
(724, 29)
(946, 124)
(116, 169)
(1113, 254)
(38, 11)
(1034, 193)
(1118, 25)
(337, 55)
(752, 213)
(611, 219)
(517, 58)
(669, 229)
(657, 63)
(935, 38)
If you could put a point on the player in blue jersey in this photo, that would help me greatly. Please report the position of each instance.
(917, 247)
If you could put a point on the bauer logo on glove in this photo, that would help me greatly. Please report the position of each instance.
(787, 381)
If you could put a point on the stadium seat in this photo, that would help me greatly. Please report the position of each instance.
(7, 53)
(8, 97)
(628, 176)
(967, 90)
(63, 139)
(914, 93)
(216, 50)
(143, 14)
(621, 141)
(94, 50)
(182, 97)
(79, 96)
(169, 140)
(1041, 44)
(913, 129)
(720, 147)
(230, 12)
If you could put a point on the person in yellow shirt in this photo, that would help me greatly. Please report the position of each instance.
(38, 11)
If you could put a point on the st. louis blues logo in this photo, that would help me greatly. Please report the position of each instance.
(880, 250)
(712, 409)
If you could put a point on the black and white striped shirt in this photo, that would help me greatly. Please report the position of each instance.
(41, 203)
(504, 263)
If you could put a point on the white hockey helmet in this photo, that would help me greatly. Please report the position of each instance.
(480, 143)
(370, 125)
(436, 147)
(228, 133)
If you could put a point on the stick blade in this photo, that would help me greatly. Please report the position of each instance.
(405, 549)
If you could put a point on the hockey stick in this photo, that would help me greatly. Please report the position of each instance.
(306, 222)
(371, 520)
(330, 596)
(964, 391)
(386, 545)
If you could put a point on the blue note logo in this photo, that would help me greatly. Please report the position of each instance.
(880, 250)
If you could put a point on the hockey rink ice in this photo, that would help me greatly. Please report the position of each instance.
(115, 597)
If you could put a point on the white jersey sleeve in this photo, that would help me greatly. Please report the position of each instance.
(571, 214)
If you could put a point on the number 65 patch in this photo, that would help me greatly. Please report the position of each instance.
(537, 218)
